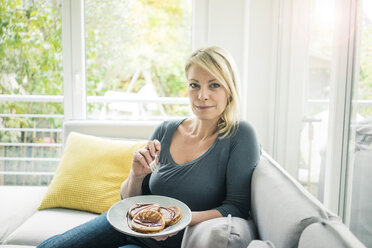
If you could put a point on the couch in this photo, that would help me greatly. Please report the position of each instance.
(361, 202)
(284, 214)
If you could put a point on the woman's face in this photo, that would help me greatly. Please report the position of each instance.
(208, 97)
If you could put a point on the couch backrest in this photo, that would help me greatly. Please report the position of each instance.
(281, 207)
(112, 129)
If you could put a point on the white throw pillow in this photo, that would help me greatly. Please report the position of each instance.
(261, 244)
(223, 232)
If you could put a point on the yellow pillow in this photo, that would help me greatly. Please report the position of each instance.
(90, 173)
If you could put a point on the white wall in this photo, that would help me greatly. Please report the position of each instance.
(261, 69)
(246, 29)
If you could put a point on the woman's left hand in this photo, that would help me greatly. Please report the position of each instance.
(162, 238)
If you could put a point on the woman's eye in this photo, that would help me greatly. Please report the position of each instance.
(215, 85)
(193, 85)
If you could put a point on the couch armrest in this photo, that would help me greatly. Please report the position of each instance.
(331, 234)
(18, 203)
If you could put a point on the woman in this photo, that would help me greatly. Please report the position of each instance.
(206, 161)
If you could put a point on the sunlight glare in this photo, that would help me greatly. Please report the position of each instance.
(367, 9)
(325, 11)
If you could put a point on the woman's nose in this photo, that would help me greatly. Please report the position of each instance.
(203, 94)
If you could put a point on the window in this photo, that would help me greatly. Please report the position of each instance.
(324, 127)
(31, 101)
(360, 138)
(126, 56)
(316, 95)
(135, 52)
(307, 63)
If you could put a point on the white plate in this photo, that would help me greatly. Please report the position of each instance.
(117, 214)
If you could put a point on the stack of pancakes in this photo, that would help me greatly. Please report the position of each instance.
(152, 218)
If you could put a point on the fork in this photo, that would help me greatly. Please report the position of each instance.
(153, 164)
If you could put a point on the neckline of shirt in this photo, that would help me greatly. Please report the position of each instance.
(194, 160)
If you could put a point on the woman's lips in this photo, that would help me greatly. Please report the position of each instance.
(203, 107)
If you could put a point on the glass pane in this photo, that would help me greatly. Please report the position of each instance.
(135, 52)
(316, 96)
(31, 89)
(360, 152)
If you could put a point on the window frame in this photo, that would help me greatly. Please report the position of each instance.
(74, 73)
(336, 187)
(338, 175)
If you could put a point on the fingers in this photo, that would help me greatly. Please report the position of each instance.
(157, 145)
(170, 235)
(153, 146)
(144, 157)
(140, 166)
(161, 238)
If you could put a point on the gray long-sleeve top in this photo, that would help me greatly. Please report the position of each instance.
(219, 179)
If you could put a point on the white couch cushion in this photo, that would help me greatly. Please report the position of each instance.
(261, 244)
(232, 232)
(47, 223)
(18, 203)
(361, 201)
(281, 207)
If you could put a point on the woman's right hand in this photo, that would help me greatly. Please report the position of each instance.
(143, 157)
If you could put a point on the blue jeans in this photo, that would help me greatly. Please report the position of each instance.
(95, 233)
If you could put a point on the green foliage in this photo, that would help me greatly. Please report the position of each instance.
(121, 37)
(30, 59)
(30, 47)
(148, 35)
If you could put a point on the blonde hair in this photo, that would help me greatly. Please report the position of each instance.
(221, 65)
